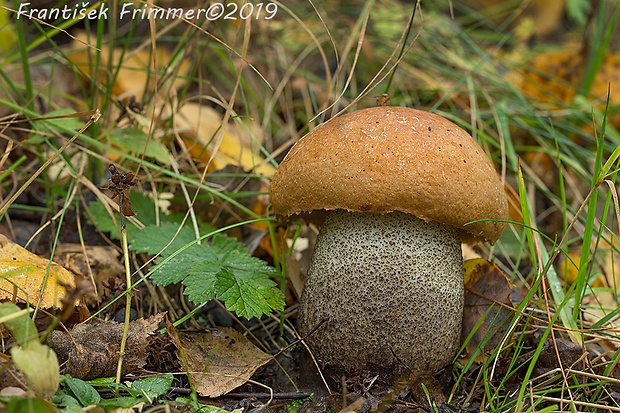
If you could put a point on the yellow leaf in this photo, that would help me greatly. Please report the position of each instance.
(8, 32)
(570, 269)
(22, 274)
(555, 77)
(199, 125)
(136, 67)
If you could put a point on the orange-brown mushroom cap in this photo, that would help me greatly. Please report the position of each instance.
(386, 159)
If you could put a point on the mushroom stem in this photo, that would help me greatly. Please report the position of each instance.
(388, 284)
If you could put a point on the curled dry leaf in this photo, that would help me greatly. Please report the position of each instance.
(98, 265)
(219, 361)
(487, 297)
(24, 276)
(91, 350)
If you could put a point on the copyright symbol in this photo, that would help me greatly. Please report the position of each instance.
(215, 11)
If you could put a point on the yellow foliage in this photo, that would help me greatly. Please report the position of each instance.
(199, 126)
(555, 77)
(136, 67)
(23, 276)
(8, 32)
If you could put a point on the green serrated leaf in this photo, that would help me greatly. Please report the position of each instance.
(243, 282)
(222, 269)
(84, 392)
(223, 245)
(64, 399)
(201, 284)
(153, 239)
(154, 386)
(134, 140)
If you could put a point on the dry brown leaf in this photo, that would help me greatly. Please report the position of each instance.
(23, 274)
(485, 286)
(569, 353)
(103, 263)
(91, 350)
(219, 361)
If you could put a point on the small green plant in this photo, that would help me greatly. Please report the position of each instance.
(296, 404)
(221, 268)
(76, 394)
(37, 361)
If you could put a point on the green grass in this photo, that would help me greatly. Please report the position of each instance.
(276, 79)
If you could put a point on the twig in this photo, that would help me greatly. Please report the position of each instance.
(283, 395)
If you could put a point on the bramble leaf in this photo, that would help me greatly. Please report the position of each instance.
(221, 268)
(153, 239)
(246, 287)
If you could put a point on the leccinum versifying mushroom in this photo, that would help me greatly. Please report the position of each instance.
(395, 188)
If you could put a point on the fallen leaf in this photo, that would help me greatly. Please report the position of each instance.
(569, 353)
(219, 361)
(555, 77)
(537, 17)
(199, 124)
(91, 350)
(23, 276)
(487, 301)
(136, 73)
(569, 270)
(8, 31)
(98, 265)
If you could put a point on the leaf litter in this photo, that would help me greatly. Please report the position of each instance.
(218, 361)
(90, 351)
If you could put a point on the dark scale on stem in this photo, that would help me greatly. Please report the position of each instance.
(118, 184)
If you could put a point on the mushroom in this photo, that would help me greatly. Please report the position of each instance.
(396, 190)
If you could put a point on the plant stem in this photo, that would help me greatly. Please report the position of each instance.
(128, 302)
